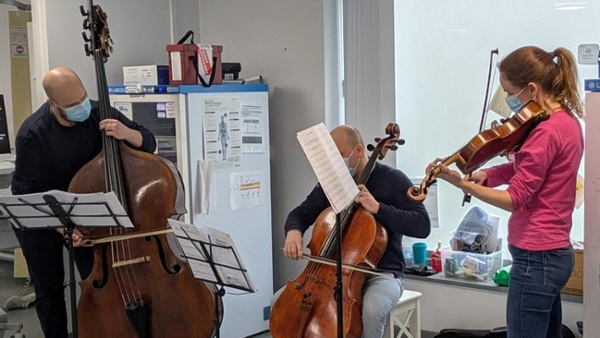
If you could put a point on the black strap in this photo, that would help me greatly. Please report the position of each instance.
(182, 40)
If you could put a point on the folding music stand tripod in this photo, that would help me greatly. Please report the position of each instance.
(213, 258)
(57, 209)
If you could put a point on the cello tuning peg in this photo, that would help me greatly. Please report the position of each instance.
(86, 24)
(370, 147)
(377, 139)
(85, 37)
(394, 147)
(401, 141)
(82, 11)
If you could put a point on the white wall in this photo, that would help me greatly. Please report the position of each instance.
(283, 40)
(459, 307)
(140, 29)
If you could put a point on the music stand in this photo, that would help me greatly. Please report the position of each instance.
(58, 209)
(212, 257)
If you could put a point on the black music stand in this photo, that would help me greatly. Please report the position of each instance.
(212, 257)
(57, 209)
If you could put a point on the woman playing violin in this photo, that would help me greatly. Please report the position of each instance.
(540, 182)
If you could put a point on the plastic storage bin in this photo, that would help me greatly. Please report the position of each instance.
(471, 266)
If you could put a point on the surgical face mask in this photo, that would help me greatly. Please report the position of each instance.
(514, 103)
(352, 170)
(79, 112)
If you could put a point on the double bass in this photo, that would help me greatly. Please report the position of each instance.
(138, 287)
(306, 308)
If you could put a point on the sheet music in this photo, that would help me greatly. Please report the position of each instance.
(222, 251)
(96, 209)
(329, 167)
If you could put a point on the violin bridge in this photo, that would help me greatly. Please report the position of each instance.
(131, 261)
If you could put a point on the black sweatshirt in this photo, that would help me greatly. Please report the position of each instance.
(397, 214)
(50, 154)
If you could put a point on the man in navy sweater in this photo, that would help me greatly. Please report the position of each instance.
(384, 196)
(51, 146)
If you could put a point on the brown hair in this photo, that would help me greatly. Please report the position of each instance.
(559, 79)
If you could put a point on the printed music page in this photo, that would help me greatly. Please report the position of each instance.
(328, 165)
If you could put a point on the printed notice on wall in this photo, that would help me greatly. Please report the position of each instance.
(18, 42)
(222, 131)
(247, 189)
(253, 141)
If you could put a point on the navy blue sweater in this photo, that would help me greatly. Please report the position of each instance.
(50, 154)
(397, 214)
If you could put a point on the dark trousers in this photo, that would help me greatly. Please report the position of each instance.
(43, 251)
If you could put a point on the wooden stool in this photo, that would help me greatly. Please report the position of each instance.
(405, 314)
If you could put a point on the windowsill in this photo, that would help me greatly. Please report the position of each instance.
(488, 286)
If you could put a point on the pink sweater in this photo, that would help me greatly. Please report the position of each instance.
(541, 183)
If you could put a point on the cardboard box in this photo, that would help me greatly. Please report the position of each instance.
(575, 284)
(150, 75)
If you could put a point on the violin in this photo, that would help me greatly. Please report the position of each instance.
(486, 145)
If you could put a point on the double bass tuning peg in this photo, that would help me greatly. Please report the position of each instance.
(86, 24)
(88, 52)
(85, 37)
(82, 11)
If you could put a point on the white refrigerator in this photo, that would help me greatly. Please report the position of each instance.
(224, 128)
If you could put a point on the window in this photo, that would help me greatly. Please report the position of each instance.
(442, 51)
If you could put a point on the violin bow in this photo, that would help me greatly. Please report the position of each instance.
(467, 197)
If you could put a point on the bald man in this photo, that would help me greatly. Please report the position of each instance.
(384, 196)
(51, 146)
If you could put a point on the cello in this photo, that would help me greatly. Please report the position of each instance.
(306, 307)
(496, 141)
(137, 287)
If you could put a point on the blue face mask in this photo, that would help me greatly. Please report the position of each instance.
(352, 170)
(514, 103)
(80, 112)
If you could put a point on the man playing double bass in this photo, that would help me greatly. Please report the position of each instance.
(51, 146)
(384, 196)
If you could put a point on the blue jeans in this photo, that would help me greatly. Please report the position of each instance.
(380, 295)
(533, 306)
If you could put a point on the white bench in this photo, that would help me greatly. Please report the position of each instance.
(405, 314)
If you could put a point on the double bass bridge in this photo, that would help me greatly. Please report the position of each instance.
(138, 260)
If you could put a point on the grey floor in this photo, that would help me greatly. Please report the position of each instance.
(10, 286)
